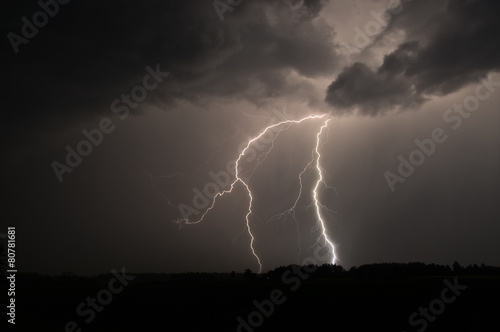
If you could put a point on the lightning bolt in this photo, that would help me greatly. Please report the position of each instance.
(323, 240)
(317, 204)
(320, 224)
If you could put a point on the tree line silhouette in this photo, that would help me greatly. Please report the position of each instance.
(384, 270)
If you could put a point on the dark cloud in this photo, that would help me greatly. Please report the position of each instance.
(458, 46)
(276, 39)
(373, 92)
(309, 8)
(91, 52)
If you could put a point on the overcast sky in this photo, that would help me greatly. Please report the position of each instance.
(205, 81)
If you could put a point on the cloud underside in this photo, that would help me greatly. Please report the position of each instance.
(448, 51)
(92, 52)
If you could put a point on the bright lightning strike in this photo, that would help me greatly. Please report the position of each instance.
(320, 224)
(317, 204)
(239, 179)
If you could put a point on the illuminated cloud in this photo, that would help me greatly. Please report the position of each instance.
(444, 51)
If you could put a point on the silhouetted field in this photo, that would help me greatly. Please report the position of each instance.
(370, 298)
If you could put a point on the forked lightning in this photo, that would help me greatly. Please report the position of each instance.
(323, 240)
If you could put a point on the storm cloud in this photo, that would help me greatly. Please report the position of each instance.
(444, 51)
(92, 52)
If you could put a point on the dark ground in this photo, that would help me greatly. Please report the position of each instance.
(212, 302)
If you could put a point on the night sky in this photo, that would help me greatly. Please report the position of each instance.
(170, 92)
